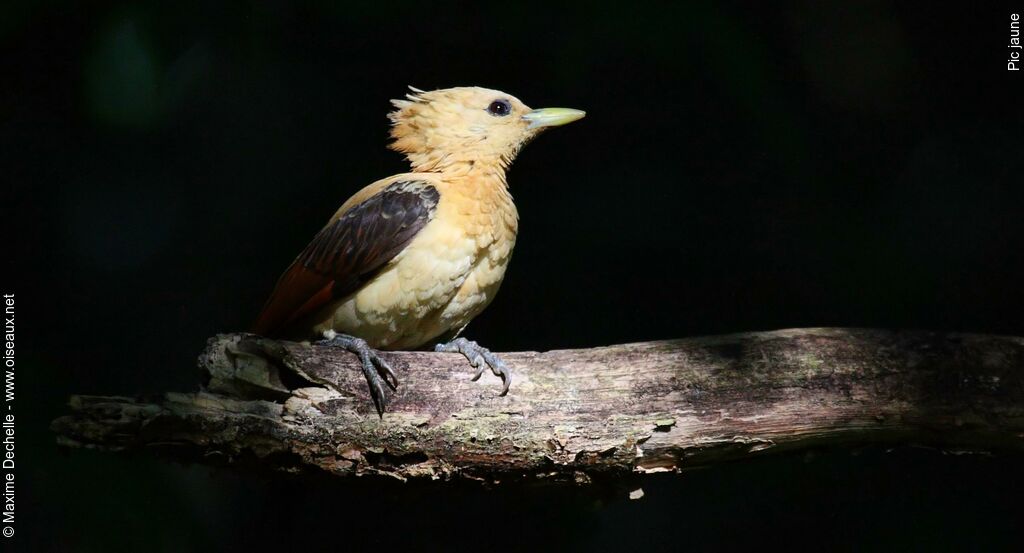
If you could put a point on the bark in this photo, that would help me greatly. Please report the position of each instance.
(575, 414)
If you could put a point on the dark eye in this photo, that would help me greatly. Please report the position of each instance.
(499, 108)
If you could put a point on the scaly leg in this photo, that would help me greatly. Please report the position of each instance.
(374, 366)
(479, 357)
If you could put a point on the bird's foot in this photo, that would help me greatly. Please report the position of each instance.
(479, 357)
(376, 369)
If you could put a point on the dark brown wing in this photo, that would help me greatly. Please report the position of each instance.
(348, 252)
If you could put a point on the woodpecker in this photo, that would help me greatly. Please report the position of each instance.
(413, 258)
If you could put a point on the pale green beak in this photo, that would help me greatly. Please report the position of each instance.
(552, 117)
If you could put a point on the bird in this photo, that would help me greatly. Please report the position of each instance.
(411, 259)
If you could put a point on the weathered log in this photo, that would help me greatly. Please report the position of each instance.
(575, 414)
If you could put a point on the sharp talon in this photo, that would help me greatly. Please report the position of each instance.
(479, 358)
(378, 398)
(479, 373)
(388, 372)
(374, 367)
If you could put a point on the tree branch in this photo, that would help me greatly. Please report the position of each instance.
(574, 414)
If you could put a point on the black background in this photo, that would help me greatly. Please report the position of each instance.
(741, 167)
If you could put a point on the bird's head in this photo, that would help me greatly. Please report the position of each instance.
(467, 125)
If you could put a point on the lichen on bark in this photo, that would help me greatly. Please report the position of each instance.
(572, 415)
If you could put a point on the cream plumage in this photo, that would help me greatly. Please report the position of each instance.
(417, 256)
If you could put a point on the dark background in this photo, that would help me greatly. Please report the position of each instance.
(741, 167)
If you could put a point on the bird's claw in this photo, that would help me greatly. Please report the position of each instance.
(374, 366)
(480, 358)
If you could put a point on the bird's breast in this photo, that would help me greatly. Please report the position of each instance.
(446, 276)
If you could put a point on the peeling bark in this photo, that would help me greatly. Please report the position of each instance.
(575, 414)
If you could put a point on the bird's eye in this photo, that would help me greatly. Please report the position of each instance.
(499, 108)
